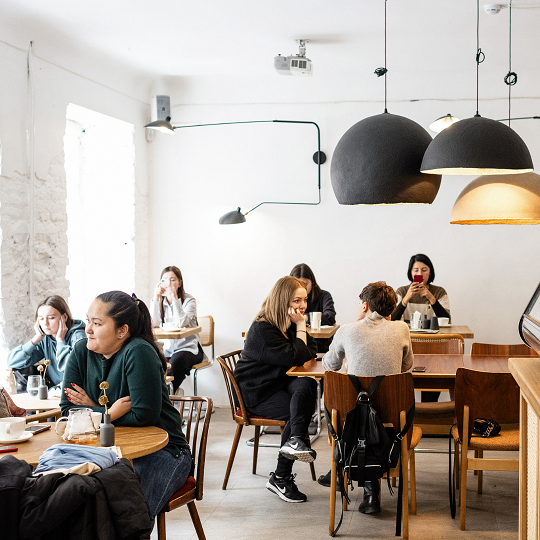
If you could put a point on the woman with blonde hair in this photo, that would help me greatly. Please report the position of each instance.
(277, 340)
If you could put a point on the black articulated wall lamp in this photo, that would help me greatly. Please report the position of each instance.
(377, 161)
(477, 145)
(236, 216)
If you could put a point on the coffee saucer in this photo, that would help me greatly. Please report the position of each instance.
(23, 438)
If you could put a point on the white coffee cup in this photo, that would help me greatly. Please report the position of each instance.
(170, 326)
(443, 321)
(315, 320)
(11, 428)
(96, 419)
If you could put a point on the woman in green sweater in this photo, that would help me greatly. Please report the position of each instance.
(120, 349)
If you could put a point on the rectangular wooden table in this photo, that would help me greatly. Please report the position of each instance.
(323, 332)
(440, 368)
(159, 333)
(464, 331)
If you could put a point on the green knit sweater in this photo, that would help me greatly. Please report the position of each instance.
(135, 371)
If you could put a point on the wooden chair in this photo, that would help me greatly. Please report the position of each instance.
(436, 417)
(483, 394)
(392, 400)
(196, 433)
(242, 417)
(206, 335)
(42, 416)
(490, 349)
(437, 343)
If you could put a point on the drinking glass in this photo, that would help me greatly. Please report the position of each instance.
(32, 385)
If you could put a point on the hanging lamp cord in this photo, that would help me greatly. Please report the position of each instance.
(511, 77)
(383, 71)
(480, 56)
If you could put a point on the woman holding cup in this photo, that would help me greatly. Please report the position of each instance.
(171, 304)
(55, 334)
(120, 349)
(277, 340)
(421, 295)
(318, 301)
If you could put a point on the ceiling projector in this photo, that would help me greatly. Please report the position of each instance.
(296, 64)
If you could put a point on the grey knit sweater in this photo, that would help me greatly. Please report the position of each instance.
(372, 346)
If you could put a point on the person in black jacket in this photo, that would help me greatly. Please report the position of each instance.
(277, 340)
(318, 300)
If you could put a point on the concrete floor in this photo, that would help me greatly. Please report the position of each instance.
(247, 510)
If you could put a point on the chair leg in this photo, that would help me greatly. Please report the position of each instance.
(312, 469)
(480, 473)
(233, 453)
(456, 462)
(394, 481)
(413, 481)
(162, 532)
(195, 371)
(464, 466)
(333, 480)
(475, 472)
(256, 448)
(196, 520)
(405, 469)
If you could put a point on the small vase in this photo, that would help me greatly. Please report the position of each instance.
(106, 431)
(43, 391)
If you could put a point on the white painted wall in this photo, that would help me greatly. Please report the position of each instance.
(70, 75)
(490, 272)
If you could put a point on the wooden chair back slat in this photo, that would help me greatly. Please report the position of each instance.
(395, 394)
(489, 395)
(206, 335)
(195, 431)
(453, 346)
(228, 363)
(491, 349)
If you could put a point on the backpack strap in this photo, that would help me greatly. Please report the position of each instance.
(372, 387)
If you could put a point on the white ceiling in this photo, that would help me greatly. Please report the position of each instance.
(186, 38)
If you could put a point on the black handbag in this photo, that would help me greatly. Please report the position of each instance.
(486, 427)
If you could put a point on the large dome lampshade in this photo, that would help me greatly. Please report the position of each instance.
(477, 146)
(377, 161)
(513, 199)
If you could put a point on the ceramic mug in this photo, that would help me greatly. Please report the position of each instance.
(11, 427)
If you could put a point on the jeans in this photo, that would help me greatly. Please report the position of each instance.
(162, 475)
(294, 403)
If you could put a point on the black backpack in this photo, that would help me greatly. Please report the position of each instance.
(367, 449)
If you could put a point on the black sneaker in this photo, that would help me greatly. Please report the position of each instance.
(325, 479)
(285, 488)
(296, 448)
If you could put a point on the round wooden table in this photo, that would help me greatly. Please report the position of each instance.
(133, 442)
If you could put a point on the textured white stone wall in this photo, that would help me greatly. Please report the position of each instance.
(117, 92)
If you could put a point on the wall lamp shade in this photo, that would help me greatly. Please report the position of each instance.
(513, 199)
(232, 218)
(164, 126)
(377, 161)
(442, 123)
(477, 146)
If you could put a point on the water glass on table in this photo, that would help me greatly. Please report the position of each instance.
(32, 385)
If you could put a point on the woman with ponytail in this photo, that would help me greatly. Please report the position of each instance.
(120, 349)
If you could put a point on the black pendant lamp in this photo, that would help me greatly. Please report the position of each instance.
(477, 145)
(377, 161)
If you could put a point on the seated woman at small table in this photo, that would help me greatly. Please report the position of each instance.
(120, 349)
(421, 296)
(318, 300)
(55, 334)
(277, 340)
(424, 297)
(373, 345)
(172, 303)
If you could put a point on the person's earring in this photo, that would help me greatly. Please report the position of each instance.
(120, 336)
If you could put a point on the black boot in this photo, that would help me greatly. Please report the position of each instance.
(371, 503)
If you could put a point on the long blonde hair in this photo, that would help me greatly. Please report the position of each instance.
(275, 309)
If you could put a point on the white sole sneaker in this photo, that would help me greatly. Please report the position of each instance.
(275, 489)
(289, 453)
